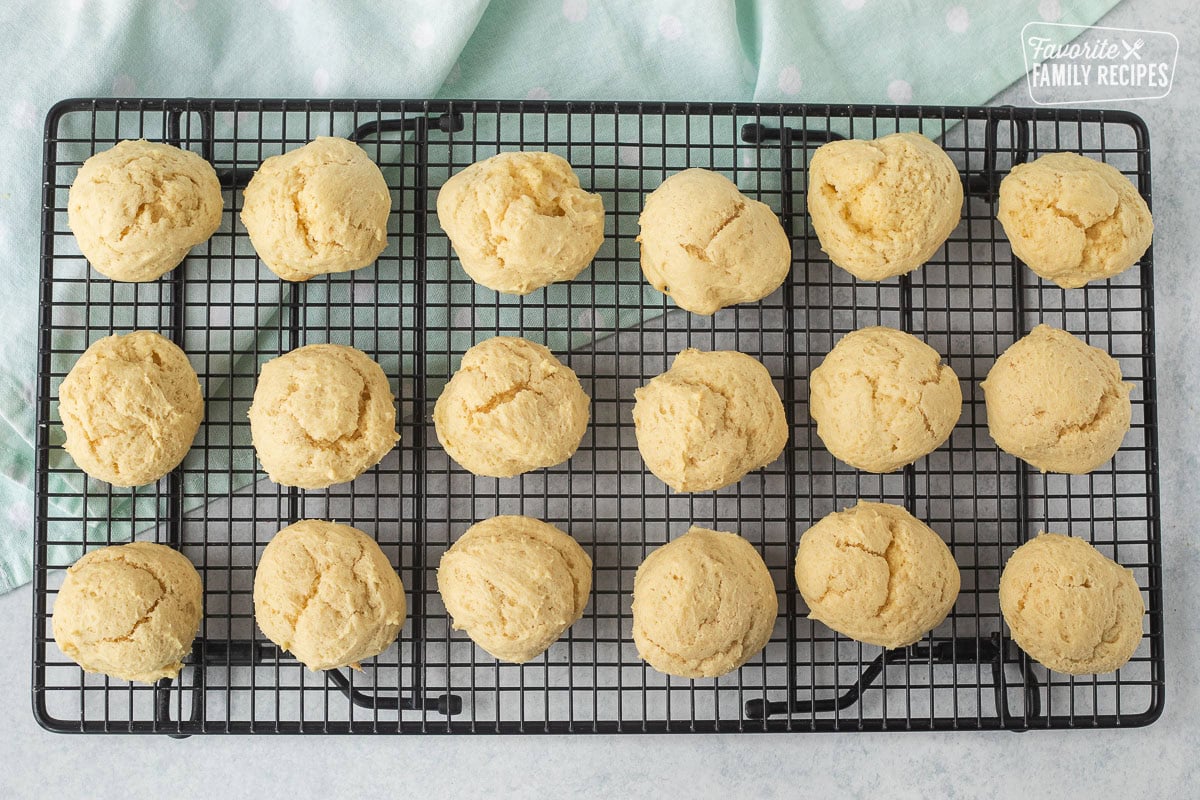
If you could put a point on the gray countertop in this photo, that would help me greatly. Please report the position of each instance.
(1157, 761)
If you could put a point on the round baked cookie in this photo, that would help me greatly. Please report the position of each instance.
(1073, 219)
(130, 408)
(328, 595)
(1069, 607)
(129, 611)
(882, 398)
(708, 420)
(1057, 403)
(882, 208)
(317, 209)
(703, 605)
(520, 221)
(322, 414)
(707, 246)
(136, 209)
(512, 407)
(514, 584)
(877, 574)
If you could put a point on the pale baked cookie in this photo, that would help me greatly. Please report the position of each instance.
(1073, 219)
(1070, 607)
(1057, 403)
(328, 595)
(130, 408)
(706, 245)
(130, 611)
(139, 207)
(882, 208)
(708, 420)
(512, 407)
(514, 584)
(703, 605)
(322, 414)
(877, 574)
(882, 399)
(317, 209)
(520, 221)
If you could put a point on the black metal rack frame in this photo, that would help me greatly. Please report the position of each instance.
(415, 311)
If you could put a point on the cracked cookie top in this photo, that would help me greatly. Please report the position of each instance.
(139, 207)
(877, 574)
(320, 208)
(882, 208)
(322, 414)
(1069, 606)
(514, 584)
(328, 595)
(882, 399)
(512, 407)
(1056, 402)
(130, 611)
(1073, 219)
(520, 221)
(130, 408)
(708, 246)
(703, 604)
(708, 420)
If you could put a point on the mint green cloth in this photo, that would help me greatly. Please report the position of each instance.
(865, 51)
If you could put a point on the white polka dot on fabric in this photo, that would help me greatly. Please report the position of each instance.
(281, 5)
(1050, 10)
(124, 85)
(464, 319)
(790, 81)
(587, 318)
(854, 5)
(669, 27)
(575, 10)
(423, 35)
(320, 80)
(538, 93)
(77, 5)
(747, 159)
(185, 5)
(20, 514)
(24, 115)
(629, 155)
(957, 19)
(218, 316)
(364, 293)
(899, 91)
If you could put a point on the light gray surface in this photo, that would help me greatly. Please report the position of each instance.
(1153, 762)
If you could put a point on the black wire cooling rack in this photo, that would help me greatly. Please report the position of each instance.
(416, 311)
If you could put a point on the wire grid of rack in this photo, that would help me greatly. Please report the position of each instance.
(416, 311)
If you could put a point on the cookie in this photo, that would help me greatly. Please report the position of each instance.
(520, 221)
(708, 420)
(139, 207)
(707, 246)
(129, 611)
(512, 407)
(322, 414)
(882, 208)
(328, 595)
(877, 574)
(1057, 403)
(1073, 219)
(130, 408)
(514, 584)
(882, 399)
(703, 605)
(1069, 607)
(320, 208)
